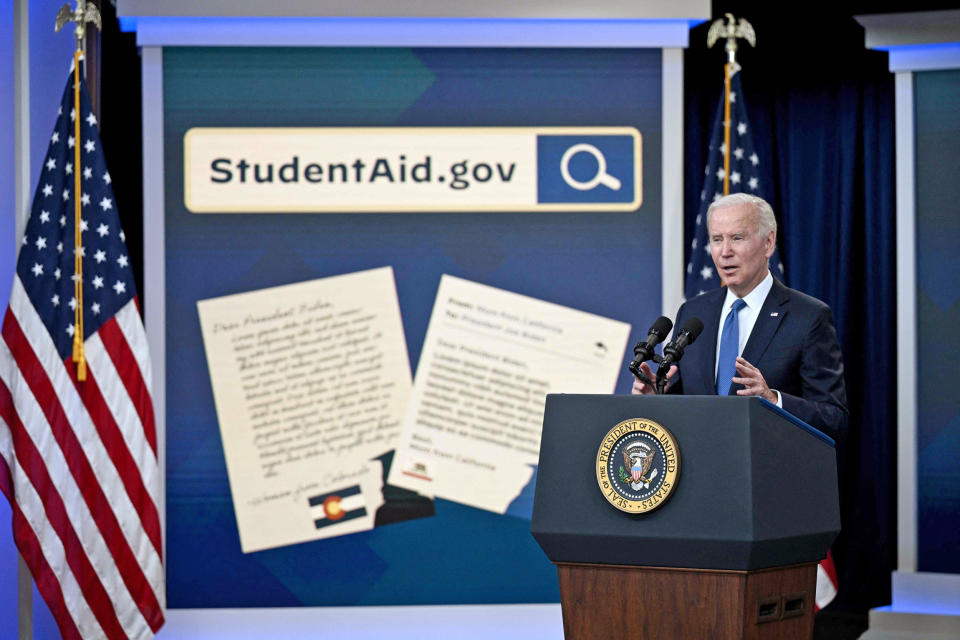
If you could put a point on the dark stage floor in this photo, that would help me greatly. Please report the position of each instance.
(839, 625)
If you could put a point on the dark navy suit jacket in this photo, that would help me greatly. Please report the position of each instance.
(793, 344)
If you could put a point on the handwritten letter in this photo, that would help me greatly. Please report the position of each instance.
(309, 379)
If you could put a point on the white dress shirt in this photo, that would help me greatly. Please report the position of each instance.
(746, 319)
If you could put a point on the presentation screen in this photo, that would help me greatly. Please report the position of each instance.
(377, 264)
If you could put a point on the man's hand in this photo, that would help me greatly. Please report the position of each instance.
(753, 382)
(642, 388)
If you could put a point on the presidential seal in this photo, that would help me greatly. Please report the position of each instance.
(638, 465)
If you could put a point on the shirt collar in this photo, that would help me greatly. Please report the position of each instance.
(755, 298)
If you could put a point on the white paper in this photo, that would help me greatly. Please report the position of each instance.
(472, 432)
(310, 381)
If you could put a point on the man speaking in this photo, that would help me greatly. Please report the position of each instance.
(760, 338)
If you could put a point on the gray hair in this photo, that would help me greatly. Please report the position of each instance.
(766, 221)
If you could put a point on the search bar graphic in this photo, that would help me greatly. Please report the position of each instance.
(411, 169)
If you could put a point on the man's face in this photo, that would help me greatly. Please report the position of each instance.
(739, 252)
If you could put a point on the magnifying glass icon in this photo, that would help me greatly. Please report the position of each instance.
(601, 177)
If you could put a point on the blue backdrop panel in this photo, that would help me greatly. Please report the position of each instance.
(604, 263)
(937, 103)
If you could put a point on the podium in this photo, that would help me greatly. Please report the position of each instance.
(732, 552)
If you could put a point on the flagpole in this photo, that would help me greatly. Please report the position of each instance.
(80, 16)
(730, 31)
(726, 127)
(78, 355)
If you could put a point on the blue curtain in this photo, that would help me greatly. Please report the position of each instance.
(824, 128)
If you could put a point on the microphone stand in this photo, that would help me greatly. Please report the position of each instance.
(662, 377)
(637, 371)
(660, 384)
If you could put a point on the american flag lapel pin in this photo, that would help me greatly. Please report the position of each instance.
(774, 314)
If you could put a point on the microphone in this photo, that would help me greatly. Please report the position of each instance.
(672, 353)
(644, 349)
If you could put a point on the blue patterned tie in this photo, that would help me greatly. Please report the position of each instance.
(729, 349)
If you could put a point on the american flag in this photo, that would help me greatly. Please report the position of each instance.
(827, 583)
(78, 459)
(744, 176)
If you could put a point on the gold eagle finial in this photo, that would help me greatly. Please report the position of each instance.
(84, 13)
(731, 30)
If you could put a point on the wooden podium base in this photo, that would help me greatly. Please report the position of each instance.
(609, 602)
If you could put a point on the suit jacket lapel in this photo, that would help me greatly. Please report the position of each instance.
(711, 326)
(772, 313)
